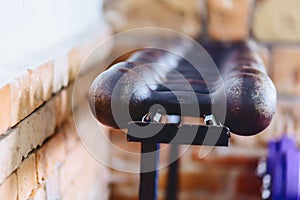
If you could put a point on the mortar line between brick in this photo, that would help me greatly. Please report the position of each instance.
(7, 132)
(251, 19)
(34, 150)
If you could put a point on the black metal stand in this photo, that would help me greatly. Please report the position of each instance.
(155, 133)
(173, 178)
(149, 172)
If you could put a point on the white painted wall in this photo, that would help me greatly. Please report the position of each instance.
(31, 25)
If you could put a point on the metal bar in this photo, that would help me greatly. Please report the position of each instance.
(174, 134)
(173, 178)
(149, 171)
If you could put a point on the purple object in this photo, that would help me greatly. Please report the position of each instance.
(284, 168)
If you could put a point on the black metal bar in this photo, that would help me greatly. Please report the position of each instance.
(149, 171)
(173, 133)
(178, 134)
(173, 179)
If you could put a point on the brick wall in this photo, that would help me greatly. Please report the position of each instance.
(226, 173)
(41, 154)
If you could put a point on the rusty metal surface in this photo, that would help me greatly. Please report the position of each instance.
(250, 94)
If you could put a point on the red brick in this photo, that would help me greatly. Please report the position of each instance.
(232, 158)
(119, 139)
(245, 145)
(60, 73)
(130, 193)
(82, 177)
(210, 181)
(25, 137)
(74, 63)
(200, 195)
(244, 197)
(286, 69)
(51, 156)
(71, 169)
(121, 179)
(248, 184)
(63, 105)
(5, 106)
(277, 21)
(9, 190)
(27, 177)
(23, 94)
(52, 185)
(264, 53)
(45, 74)
(228, 19)
(120, 196)
(82, 84)
(182, 16)
(71, 137)
(39, 193)
(30, 90)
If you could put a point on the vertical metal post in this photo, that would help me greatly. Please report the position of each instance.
(149, 171)
(173, 178)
